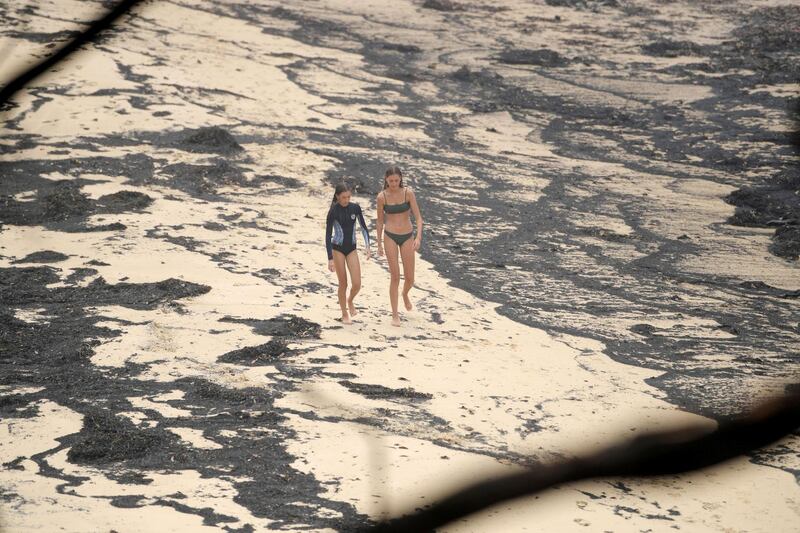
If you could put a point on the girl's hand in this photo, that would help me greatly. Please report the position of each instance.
(330, 266)
(380, 251)
(417, 243)
(367, 254)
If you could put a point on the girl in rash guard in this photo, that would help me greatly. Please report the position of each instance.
(341, 245)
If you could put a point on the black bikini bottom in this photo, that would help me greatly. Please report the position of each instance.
(399, 239)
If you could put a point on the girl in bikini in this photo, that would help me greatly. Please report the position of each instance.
(341, 246)
(395, 204)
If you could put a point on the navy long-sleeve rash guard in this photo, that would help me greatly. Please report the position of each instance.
(342, 221)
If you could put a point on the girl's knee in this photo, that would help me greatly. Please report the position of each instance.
(355, 287)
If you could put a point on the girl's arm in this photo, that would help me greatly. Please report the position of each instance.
(328, 228)
(379, 225)
(364, 230)
(417, 217)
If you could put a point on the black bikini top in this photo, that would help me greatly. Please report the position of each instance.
(396, 208)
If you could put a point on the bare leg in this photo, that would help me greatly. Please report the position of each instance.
(392, 257)
(355, 280)
(407, 253)
(341, 273)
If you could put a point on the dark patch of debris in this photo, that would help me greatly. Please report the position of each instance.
(43, 256)
(123, 201)
(772, 204)
(542, 57)
(400, 47)
(108, 438)
(443, 5)
(583, 4)
(482, 76)
(209, 140)
(379, 392)
(669, 48)
(263, 354)
(27, 286)
(62, 201)
(645, 330)
(281, 326)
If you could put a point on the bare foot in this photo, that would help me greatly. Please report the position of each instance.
(407, 301)
(395, 320)
(352, 307)
(346, 319)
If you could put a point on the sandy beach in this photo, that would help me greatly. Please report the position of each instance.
(608, 252)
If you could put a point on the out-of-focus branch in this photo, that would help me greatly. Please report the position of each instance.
(667, 452)
(82, 38)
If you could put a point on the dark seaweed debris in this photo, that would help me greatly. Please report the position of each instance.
(483, 76)
(43, 256)
(106, 437)
(42, 37)
(400, 47)
(769, 204)
(63, 202)
(53, 354)
(645, 330)
(211, 139)
(766, 29)
(443, 5)
(283, 181)
(542, 57)
(786, 242)
(760, 286)
(26, 286)
(357, 167)
(775, 203)
(56, 342)
(206, 390)
(669, 48)
(281, 326)
(582, 4)
(17, 406)
(122, 201)
(204, 180)
(114, 226)
(263, 354)
(379, 392)
(269, 274)
(766, 42)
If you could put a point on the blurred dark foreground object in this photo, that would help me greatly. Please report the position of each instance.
(668, 452)
(83, 37)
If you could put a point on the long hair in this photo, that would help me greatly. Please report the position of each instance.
(340, 188)
(393, 170)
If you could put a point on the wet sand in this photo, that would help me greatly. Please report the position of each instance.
(171, 353)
